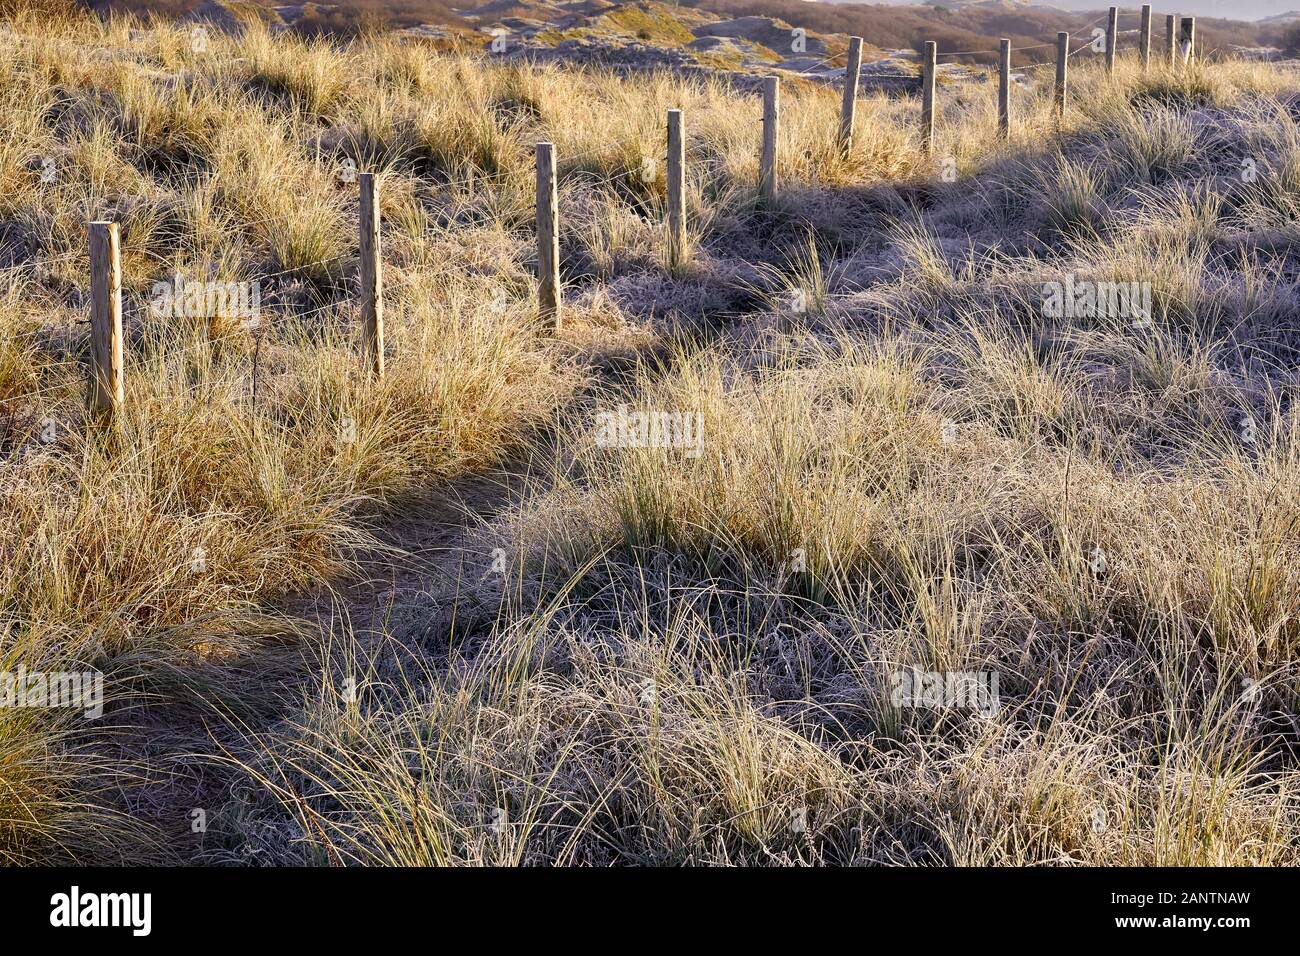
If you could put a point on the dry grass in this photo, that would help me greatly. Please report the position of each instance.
(687, 659)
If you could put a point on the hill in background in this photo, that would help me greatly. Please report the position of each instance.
(955, 26)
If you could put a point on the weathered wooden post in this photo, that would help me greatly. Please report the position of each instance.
(929, 67)
(1062, 70)
(548, 238)
(767, 173)
(1112, 38)
(848, 109)
(107, 391)
(1004, 88)
(1171, 44)
(1144, 37)
(676, 189)
(1189, 40)
(372, 277)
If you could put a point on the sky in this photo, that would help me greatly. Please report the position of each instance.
(1229, 9)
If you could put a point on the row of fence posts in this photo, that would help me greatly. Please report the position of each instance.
(107, 391)
(1180, 40)
(107, 386)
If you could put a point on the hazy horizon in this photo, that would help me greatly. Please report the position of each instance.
(1239, 10)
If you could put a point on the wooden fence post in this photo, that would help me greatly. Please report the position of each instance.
(1189, 40)
(929, 66)
(372, 277)
(107, 391)
(1171, 45)
(1112, 38)
(1062, 70)
(1004, 89)
(848, 109)
(1144, 37)
(676, 189)
(548, 238)
(767, 172)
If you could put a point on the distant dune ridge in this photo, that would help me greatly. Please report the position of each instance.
(738, 38)
(964, 24)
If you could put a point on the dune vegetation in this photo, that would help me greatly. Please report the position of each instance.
(439, 619)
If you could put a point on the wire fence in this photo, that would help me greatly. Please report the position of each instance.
(1090, 44)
